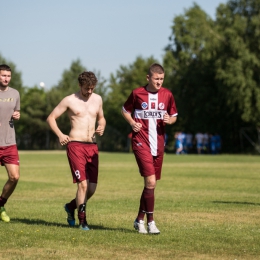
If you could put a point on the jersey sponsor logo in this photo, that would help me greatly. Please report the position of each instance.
(153, 105)
(152, 114)
(144, 105)
(6, 99)
(161, 106)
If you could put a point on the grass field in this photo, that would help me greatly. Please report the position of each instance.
(207, 207)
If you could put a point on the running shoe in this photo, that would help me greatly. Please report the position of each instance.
(152, 229)
(71, 215)
(3, 215)
(139, 226)
(84, 226)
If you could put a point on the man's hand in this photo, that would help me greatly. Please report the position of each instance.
(64, 139)
(169, 120)
(16, 115)
(100, 130)
(136, 126)
(166, 118)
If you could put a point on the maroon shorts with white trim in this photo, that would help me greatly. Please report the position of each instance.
(83, 160)
(9, 155)
(148, 164)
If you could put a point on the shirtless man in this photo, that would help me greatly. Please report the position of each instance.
(84, 108)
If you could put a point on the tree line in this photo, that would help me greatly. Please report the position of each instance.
(212, 68)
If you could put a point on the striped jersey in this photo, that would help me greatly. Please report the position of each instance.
(148, 108)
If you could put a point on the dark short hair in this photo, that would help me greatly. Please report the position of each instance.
(155, 68)
(87, 78)
(5, 67)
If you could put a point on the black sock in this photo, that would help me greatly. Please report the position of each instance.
(2, 201)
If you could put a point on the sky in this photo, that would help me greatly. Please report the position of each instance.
(42, 38)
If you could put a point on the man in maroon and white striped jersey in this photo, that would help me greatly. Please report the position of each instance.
(153, 107)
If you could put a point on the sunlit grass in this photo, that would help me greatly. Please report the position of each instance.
(207, 207)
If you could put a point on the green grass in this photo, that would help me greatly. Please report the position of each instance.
(207, 207)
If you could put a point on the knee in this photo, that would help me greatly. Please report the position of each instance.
(83, 186)
(150, 184)
(14, 178)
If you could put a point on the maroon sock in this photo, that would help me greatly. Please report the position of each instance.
(72, 205)
(149, 203)
(142, 209)
(2, 201)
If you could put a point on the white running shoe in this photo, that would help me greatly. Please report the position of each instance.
(139, 226)
(152, 229)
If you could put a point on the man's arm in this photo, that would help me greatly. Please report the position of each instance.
(169, 119)
(101, 121)
(51, 120)
(128, 117)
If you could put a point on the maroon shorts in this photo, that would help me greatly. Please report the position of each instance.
(9, 155)
(148, 164)
(83, 160)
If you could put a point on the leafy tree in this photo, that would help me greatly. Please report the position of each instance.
(238, 65)
(33, 126)
(213, 67)
(189, 63)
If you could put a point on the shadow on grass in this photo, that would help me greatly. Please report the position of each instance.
(41, 222)
(237, 202)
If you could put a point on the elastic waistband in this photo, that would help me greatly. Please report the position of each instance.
(81, 142)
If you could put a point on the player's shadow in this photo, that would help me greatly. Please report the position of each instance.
(237, 202)
(40, 222)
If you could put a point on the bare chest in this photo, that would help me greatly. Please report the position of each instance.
(83, 109)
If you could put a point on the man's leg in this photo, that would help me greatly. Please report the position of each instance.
(146, 204)
(9, 187)
(91, 190)
(81, 204)
(72, 206)
(150, 184)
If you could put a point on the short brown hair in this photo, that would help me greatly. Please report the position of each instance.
(5, 67)
(87, 78)
(155, 68)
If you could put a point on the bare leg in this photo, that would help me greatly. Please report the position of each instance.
(81, 193)
(13, 177)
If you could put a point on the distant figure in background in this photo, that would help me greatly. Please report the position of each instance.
(189, 142)
(213, 142)
(205, 143)
(180, 142)
(9, 111)
(199, 142)
(218, 143)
